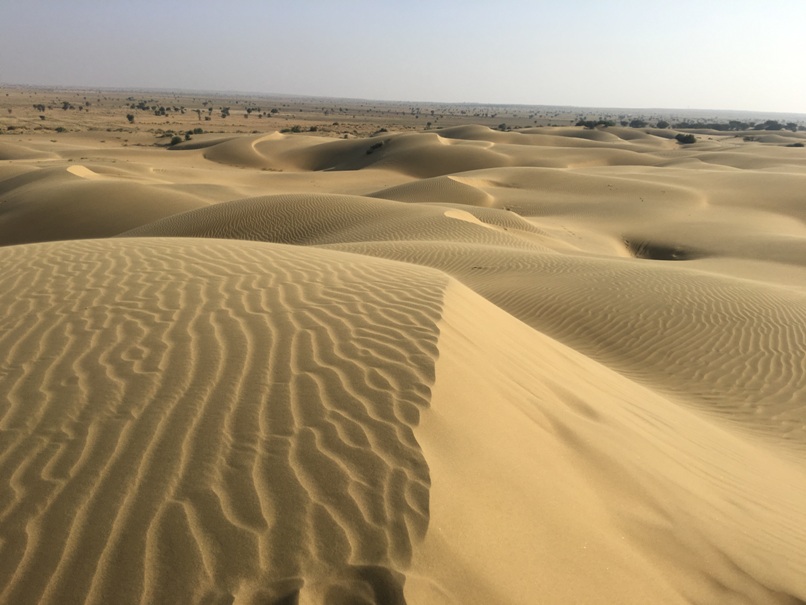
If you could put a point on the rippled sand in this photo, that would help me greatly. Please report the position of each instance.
(555, 365)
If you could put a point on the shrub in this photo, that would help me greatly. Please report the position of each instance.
(375, 146)
(591, 124)
(176, 140)
(686, 139)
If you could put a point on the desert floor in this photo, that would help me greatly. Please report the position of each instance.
(384, 362)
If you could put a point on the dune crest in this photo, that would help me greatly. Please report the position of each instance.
(255, 444)
(645, 500)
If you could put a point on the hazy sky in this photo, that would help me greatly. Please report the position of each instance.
(699, 54)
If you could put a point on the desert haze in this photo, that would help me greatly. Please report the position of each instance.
(325, 351)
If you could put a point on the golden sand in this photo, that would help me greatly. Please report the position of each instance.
(553, 365)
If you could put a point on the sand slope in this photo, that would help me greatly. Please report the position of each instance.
(645, 317)
(252, 442)
(557, 365)
(606, 492)
(77, 202)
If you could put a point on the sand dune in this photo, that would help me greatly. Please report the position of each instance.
(76, 202)
(251, 443)
(551, 365)
(12, 151)
(609, 493)
(334, 219)
(729, 346)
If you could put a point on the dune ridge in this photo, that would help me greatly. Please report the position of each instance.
(626, 484)
(210, 423)
(650, 326)
(732, 347)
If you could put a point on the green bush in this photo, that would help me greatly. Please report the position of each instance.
(176, 140)
(686, 139)
(591, 124)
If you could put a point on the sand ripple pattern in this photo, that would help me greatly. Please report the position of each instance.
(732, 347)
(316, 219)
(211, 422)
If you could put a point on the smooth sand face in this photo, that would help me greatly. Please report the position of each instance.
(555, 365)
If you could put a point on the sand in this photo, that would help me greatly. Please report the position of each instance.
(553, 365)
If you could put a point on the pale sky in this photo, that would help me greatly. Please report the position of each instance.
(686, 54)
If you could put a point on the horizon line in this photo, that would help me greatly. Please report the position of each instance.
(246, 93)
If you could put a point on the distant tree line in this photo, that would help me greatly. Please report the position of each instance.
(735, 125)
(740, 125)
(150, 105)
(159, 110)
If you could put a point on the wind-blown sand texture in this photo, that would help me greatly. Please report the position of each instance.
(557, 365)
